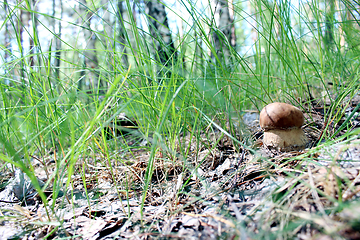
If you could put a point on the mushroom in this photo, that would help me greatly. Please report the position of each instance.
(282, 123)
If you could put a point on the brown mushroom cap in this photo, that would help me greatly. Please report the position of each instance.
(281, 116)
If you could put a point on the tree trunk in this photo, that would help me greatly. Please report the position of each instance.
(109, 36)
(224, 34)
(198, 52)
(160, 32)
(90, 54)
(121, 37)
(20, 24)
(351, 25)
(232, 24)
(7, 42)
(329, 25)
(57, 32)
(31, 41)
(8, 50)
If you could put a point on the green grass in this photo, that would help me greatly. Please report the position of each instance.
(42, 112)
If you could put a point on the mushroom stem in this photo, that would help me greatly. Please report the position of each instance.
(285, 140)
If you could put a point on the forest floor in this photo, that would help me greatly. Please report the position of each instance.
(231, 192)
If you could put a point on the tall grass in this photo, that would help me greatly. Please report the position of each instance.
(283, 57)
